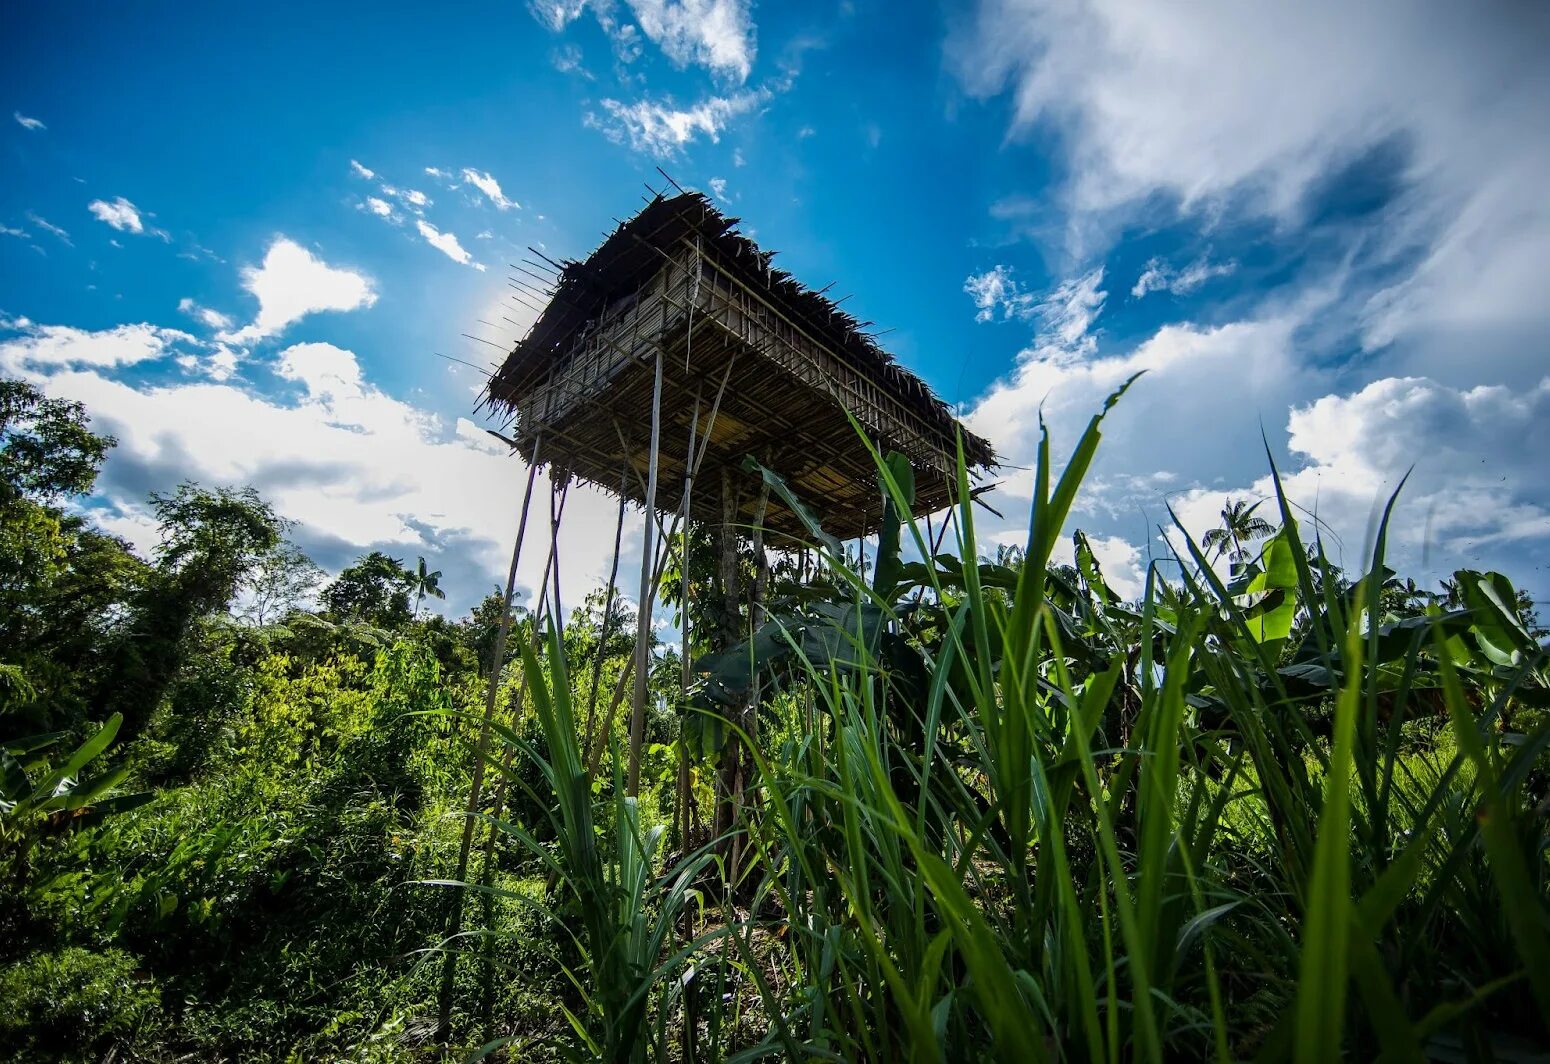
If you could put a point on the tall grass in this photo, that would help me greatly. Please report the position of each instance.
(1038, 823)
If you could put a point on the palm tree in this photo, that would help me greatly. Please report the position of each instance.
(426, 583)
(1239, 526)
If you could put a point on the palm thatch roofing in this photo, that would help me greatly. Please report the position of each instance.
(791, 369)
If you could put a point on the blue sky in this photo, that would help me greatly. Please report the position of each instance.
(240, 236)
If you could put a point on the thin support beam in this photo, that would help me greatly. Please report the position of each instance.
(498, 652)
(647, 589)
(608, 610)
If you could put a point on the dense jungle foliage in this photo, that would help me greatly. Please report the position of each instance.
(918, 805)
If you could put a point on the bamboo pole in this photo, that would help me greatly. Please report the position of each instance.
(487, 868)
(681, 803)
(647, 589)
(608, 611)
(498, 652)
(594, 756)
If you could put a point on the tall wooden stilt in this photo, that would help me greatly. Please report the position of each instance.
(647, 588)
(475, 789)
(608, 611)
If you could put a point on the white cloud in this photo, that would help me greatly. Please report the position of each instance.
(447, 244)
(356, 468)
(21, 234)
(491, 188)
(40, 347)
(292, 283)
(25, 122)
(557, 14)
(718, 188)
(437, 172)
(415, 198)
(1159, 276)
(567, 59)
(484, 234)
(206, 315)
(717, 34)
(1476, 491)
(997, 290)
(1228, 106)
(361, 171)
(221, 363)
(120, 214)
(381, 208)
(662, 129)
(1065, 319)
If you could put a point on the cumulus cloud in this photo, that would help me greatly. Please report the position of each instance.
(356, 468)
(362, 171)
(1476, 494)
(661, 128)
(447, 244)
(1159, 276)
(292, 283)
(32, 124)
(491, 188)
(32, 347)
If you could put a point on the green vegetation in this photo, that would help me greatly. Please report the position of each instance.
(932, 807)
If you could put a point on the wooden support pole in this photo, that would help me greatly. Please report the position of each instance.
(608, 612)
(681, 800)
(475, 789)
(647, 590)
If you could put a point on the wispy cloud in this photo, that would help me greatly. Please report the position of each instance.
(997, 291)
(26, 122)
(381, 208)
(205, 315)
(1064, 317)
(125, 217)
(663, 129)
(447, 244)
(715, 34)
(363, 171)
(491, 188)
(1159, 276)
(49, 227)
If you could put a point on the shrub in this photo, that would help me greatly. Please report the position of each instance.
(72, 1004)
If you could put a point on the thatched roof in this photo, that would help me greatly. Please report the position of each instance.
(792, 366)
(635, 249)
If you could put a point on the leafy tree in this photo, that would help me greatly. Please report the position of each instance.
(212, 541)
(281, 582)
(63, 585)
(482, 623)
(46, 449)
(375, 590)
(426, 583)
(1239, 526)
